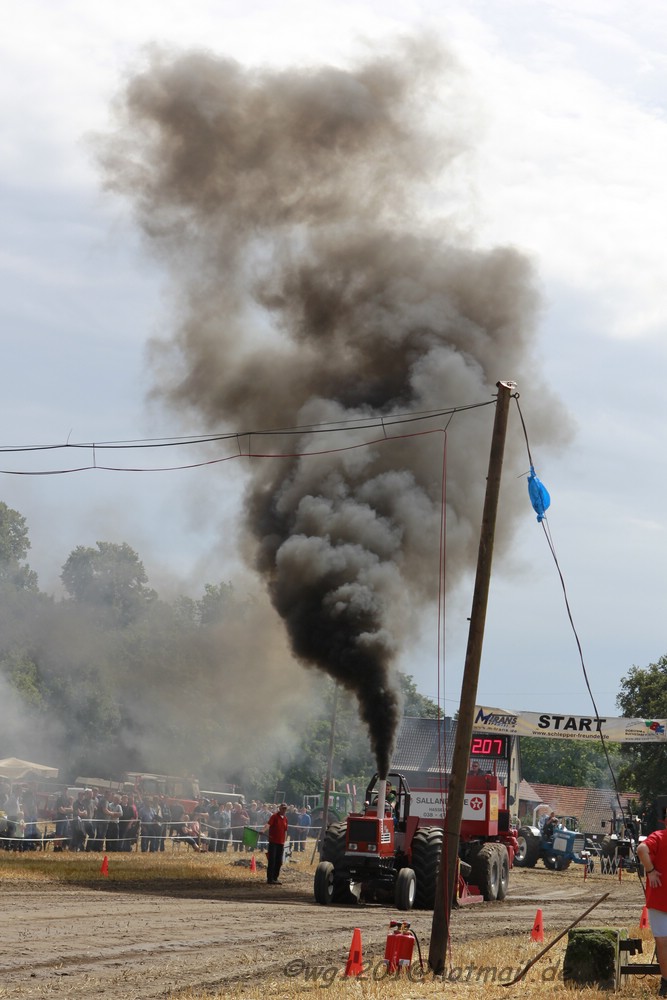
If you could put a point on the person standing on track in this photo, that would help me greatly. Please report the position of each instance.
(276, 827)
(652, 853)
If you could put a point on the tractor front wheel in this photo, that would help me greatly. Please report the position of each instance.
(405, 889)
(324, 883)
(486, 871)
(556, 862)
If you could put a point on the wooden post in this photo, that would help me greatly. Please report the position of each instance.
(448, 870)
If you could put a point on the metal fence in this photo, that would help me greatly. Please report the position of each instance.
(133, 835)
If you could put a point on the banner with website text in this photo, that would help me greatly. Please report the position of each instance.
(569, 727)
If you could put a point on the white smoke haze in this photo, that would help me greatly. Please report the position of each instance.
(25, 733)
(228, 696)
(311, 285)
(220, 700)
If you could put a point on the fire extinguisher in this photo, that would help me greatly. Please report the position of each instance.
(399, 947)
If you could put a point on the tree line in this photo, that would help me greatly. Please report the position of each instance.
(112, 677)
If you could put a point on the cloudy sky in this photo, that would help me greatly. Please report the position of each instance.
(562, 105)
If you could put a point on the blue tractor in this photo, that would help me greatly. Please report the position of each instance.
(556, 847)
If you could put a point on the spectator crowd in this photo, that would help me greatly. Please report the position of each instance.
(93, 819)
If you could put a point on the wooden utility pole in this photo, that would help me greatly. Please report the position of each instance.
(448, 870)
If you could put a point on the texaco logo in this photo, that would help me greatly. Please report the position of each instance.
(476, 803)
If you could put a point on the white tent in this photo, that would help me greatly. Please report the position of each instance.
(21, 770)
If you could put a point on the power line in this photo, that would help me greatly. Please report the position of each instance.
(242, 441)
(547, 534)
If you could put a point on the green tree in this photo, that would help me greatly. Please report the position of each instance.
(416, 705)
(111, 578)
(215, 603)
(21, 605)
(643, 695)
(22, 672)
(14, 546)
(185, 611)
(566, 762)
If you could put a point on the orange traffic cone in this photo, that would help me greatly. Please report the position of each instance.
(253, 864)
(644, 919)
(537, 933)
(104, 870)
(354, 962)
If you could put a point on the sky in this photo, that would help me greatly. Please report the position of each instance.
(561, 106)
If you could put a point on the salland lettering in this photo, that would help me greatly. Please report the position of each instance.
(423, 798)
(428, 805)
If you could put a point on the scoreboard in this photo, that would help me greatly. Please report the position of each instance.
(490, 747)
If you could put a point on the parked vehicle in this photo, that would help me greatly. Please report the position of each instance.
(340, 804)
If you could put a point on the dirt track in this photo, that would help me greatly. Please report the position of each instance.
(134, 944)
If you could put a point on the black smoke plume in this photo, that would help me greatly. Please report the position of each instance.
(289, 207)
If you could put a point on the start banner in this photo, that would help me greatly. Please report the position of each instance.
(569, 727)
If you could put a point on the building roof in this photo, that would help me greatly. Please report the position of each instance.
(422, 745)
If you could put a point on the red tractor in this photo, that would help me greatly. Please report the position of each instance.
(390, 852)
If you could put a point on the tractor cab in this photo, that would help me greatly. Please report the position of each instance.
(396, 799)
(379, 831)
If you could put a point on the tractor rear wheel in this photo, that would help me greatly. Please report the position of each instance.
(486, 871)
(504, 875)
(324, 883)
(405, 889)
(529, 848)
(333, 846)
(426, 851)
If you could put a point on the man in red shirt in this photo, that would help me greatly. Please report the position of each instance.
(653, 855)
(277, 831)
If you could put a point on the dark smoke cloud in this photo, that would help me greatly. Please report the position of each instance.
(289, 207)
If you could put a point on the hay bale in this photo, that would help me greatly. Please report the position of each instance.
(591, 958)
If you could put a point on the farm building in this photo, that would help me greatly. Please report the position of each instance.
(595, 810)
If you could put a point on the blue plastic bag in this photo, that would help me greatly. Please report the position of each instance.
(539, 495)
